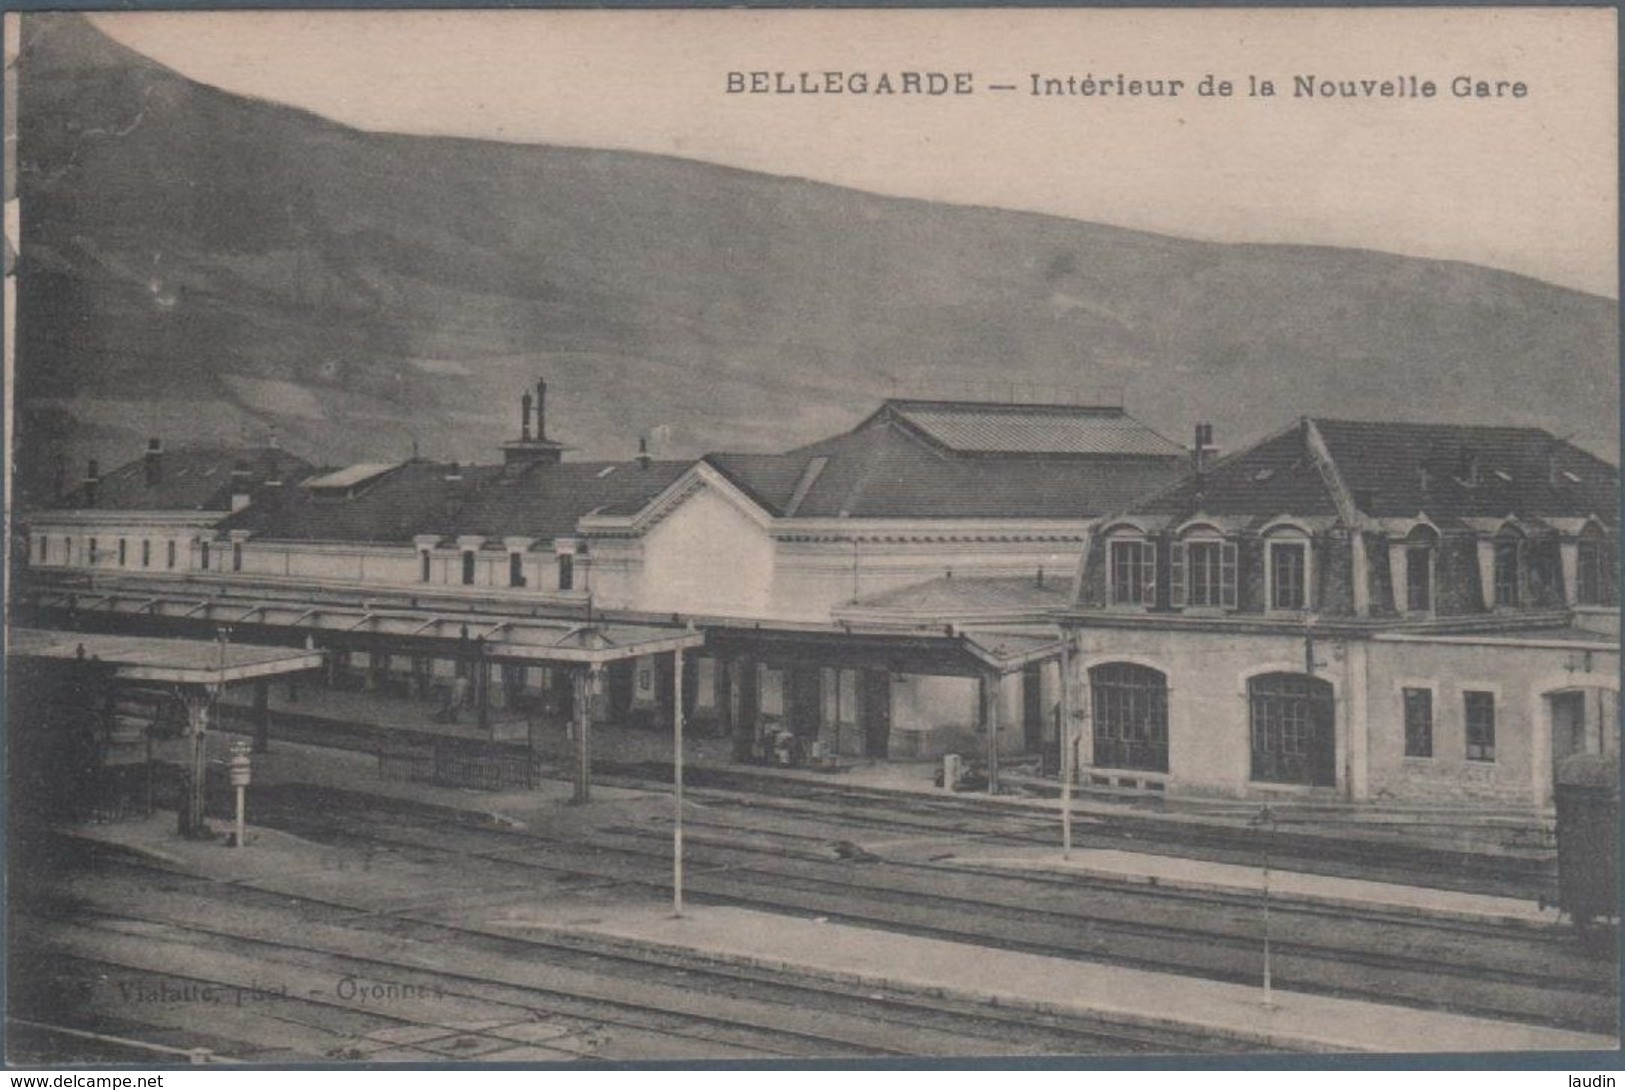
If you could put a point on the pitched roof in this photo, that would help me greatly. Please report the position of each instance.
(970, 427)
(1522, 471)
(541, 501)
(1274, 476)
(1400, 470)
(189, 479)
(546, 501)
(885, 469)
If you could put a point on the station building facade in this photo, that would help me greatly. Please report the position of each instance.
(1365, 611)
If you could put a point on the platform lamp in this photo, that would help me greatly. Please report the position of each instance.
(1265, 820)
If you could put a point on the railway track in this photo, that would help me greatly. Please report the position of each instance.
(1530, 875)
(472, 993)
(1523, 975)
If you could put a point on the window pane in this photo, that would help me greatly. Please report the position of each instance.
(1589, 591)
(1418, 722)
(1286, 576)
(1204, 578)
(1133, 565)
(1130, 715)
(1480, 709)
(1506, 573)
(1419, 580)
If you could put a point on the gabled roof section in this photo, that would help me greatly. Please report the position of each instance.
(1277, 475)
(969, 427)
(1401, 470)
(416, 497)
(886, 470)
(1469, 471)
(545, 501)
(541, 501)
(354, 477)
(189, 479)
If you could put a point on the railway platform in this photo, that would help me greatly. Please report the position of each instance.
(877, 962)
(375, 720)
(548, 806)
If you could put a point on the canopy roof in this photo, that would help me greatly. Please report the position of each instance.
(149, 658)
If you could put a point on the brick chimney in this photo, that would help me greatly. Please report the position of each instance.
(1200, 448)
(242, 479)
(644, 458)
(154, 462)
(529, 450)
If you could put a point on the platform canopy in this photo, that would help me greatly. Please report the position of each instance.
(148, 658)
(948, 650)
(422, 630)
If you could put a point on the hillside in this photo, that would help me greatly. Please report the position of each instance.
(198, 263)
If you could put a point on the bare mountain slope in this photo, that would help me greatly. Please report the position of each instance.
(198, 262)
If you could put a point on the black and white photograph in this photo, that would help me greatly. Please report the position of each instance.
(811, 538)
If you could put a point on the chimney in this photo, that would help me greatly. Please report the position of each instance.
(154, 461)
(241, 481)
(93, 478)
(643, 452)
(1203, 444)
(524, 417)
(1423, 479)
(1467, 467)
(541, 408)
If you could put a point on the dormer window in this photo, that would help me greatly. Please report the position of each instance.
(468, 567)
(1203, 573)
(1133, 573)
(1508, 562)
(1589, 571)
(1288, 574)
(1420, 557)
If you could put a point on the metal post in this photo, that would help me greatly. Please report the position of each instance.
(262, 717)
(990, 698)
(584, 680)
(1068, 749)
(1266, 821)
(677, 783)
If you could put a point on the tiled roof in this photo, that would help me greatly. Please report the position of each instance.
(189, 479)
(351, 475)
(410, 499)
(546, 501)
(1272, 477)
(974, 427)
(883, 470)
(1384, 460)
(1398, 470)
(540, 501)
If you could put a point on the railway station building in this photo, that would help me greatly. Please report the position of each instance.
(1363, 611)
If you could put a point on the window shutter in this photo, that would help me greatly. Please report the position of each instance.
(1227, 574)
(1176, 574)
(1148, 555)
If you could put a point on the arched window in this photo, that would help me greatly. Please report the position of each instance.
(1292, 729)
(1421, 555)
(1131, 570)
(1287, 570)
(1202, 570)
(1592, 569)
(1508, 567)
(1130, 713)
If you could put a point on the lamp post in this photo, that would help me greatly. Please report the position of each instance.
(240, 772)
(1265, 820)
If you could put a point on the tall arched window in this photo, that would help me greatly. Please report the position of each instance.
(1292, 718)
(1421, 557)
(1130, 713)
(1508, 567)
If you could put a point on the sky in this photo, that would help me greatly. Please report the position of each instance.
(1525, 183)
